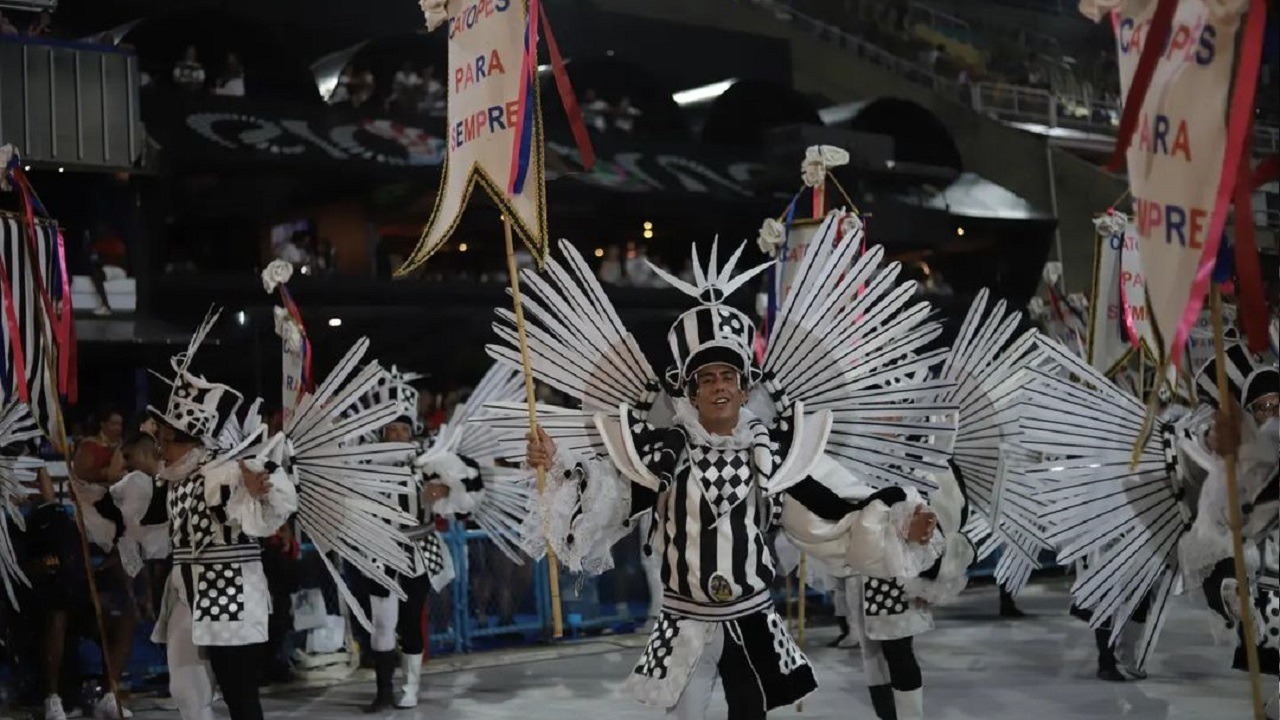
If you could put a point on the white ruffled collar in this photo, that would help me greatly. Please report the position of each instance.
(182, 469)
(687, 417)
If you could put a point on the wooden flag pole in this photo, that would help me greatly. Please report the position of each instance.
(553, 568)
(1233, 506)
(64, 446)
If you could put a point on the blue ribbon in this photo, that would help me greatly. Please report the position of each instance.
(1224, 265)
(526, 127)
(787, 220)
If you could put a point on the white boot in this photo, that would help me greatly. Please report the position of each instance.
(412, 667)
(53, 708)
(108, 708)
(909, 704)
(1126, 651)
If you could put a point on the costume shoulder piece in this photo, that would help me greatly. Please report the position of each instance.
(17, 475)
(465, 455)
(1126, 518)
(987, 369)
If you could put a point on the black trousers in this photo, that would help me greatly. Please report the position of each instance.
(413, 639)
(741, 686)
(236, 670)
(904, 671)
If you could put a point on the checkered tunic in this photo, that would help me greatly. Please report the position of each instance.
(713, 527)
(217, 567)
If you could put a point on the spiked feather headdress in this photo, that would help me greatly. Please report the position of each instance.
(196, 406)
(712, 332)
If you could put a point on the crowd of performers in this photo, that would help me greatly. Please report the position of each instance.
(891, 463)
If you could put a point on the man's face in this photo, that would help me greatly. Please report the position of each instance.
(718, 395)
(113, 427)
(171, 451)
(1265, 408)
(397, 432)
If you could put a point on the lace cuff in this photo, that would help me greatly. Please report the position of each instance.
(581, 515)
(263, 517)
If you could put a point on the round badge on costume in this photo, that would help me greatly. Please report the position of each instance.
(721, 589)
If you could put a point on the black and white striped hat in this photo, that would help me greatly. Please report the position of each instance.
(1261, 382)
(712, 332)
(1240, 364)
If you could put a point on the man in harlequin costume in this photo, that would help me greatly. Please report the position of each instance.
(447, 482)
(213, 618)
(716, 481)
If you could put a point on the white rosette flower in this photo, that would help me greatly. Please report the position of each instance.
(288, 330)
(818, 160)
(436, 12)
(1078, 302)
(772, 235)
(1052, 273)
(850, 223)
(1036, 308)
(276, 274)
(1112, 224)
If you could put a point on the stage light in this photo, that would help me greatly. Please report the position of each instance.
(599, 252)
(335, 322)
(648, 225)
(648, 234)
(242, 317)
(960, 231)
(462, 247)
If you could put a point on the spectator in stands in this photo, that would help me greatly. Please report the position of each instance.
(231, 82)
(7, 27)
(188, 73)
(406, 89)
(360, 86)
(637, 269)
(43, 26)
(610, 272)
(930, 58)
(97, 458)
(595, 111)
(296, 249)
(433, 99)
(326, 260)
(624, 116)
(108, 256)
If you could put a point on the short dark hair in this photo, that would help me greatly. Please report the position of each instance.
(141, 442)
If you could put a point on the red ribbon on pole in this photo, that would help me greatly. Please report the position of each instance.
(1250, 296)
(68, 359)
(1153, 45)
(59, 324)
(15, 336)
(570, 99)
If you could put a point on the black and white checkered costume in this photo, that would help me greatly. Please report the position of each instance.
(712, 520)
(214, 528)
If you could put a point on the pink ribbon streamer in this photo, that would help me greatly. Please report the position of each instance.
(1238, 122)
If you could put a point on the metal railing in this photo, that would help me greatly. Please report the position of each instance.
(1001, 101)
